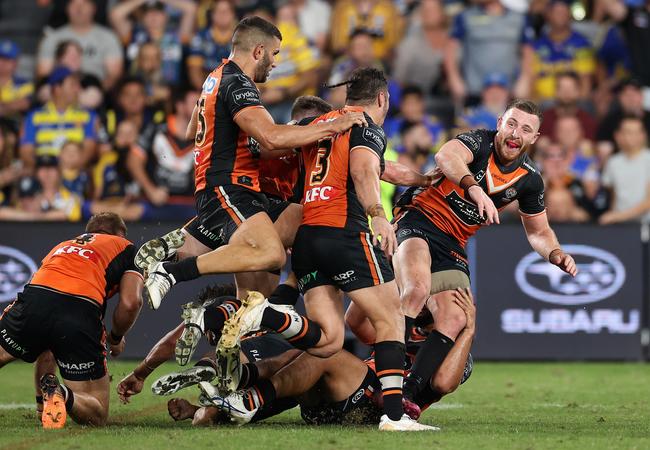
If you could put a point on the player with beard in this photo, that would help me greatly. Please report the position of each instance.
(232, 232)
(478, 173)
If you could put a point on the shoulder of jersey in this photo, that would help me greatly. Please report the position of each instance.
(527, 163)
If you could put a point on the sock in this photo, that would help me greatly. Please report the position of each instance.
(408, 326)
(284, 295)
(275, 408)
(39, 400)
(298, 330)
(69, 397)
(427, 360)
(389, 358)
(260, 394)
(184, 270)
(249, 375)
(206, 362)
(215, 317)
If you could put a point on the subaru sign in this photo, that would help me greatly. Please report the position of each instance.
(16, 268)
(529, 309)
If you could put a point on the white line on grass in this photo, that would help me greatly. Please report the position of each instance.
(447, 406)
(4, 406)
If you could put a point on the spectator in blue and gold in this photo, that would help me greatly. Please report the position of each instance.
(494, 99)
(15, 92)
(560, 49)
(47, 128)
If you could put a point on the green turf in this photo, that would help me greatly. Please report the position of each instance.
(520, 406)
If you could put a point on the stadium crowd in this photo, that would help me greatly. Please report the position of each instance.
(95, 95)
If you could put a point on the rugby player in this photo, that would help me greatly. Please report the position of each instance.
(232, 232)
(478, 173)
(334, 251)
(61, 310)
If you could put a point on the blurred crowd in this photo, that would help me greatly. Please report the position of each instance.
(95, 95)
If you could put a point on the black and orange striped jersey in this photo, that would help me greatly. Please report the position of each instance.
(89, 267)
(224, 154)
(329, 197)
(444, 202)
(278, 177)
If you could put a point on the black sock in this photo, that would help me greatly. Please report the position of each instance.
(184, 270)
(69, 397)
(249, 375)
(206, 362)
(298, 330)
(284, 295)
(260, 394)
(427, 360)
(389, 358)
(273, 409)
(39, 400)
(216, 316)
(408, 326)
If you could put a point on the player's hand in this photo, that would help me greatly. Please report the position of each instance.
(381, 227)
(129, 386)
(158, 196)
(347, 121)
(465, 300)
(485, 205)
(117, 349)
(564, 261)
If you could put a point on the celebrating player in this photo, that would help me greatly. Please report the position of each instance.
(61, 310)
(232, 129)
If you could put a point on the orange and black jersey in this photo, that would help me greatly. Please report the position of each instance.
(89, 267)
(444, 202)
(279, 177)
(329, 196)
(224, 154)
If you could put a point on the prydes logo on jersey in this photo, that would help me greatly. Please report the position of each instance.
(16, 268)
(245, 95)
(373, 136)
(601, 275)
(209, 84)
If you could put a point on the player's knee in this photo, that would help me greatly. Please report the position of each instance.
(329, 345)
(413, 298)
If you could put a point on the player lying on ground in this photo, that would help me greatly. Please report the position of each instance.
(478, 173)
(61, 311)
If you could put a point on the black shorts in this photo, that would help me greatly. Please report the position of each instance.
(220, 211)
(446, 252)
(334, 256)
(276, 206)
(357, 409)
(264, 346)
(40, 320)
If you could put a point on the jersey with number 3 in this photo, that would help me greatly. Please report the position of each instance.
(329, 197)
(224, 154)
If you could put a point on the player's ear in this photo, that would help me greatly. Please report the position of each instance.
(258, 52)
(534, 138)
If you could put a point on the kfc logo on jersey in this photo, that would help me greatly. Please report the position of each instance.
(322, 193)
(601, 275)
(73, 249)
(16, 268)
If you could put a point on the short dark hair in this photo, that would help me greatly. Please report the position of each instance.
(106, 223)
(364, 85)
(568, 74)
(249, 31)
(62, 47)
(526, 106)
(129, 79)
(628, 117)
(217, 291)
(309, 105)
(412, 90)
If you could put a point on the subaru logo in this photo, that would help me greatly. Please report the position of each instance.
(16, 268)
(601, 274)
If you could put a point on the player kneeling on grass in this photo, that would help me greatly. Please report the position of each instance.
(61, 311)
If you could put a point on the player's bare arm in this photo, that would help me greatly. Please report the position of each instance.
(450, 373)
(364, 169)
(401, 175)
(190, 131)
(543, 240)
(452, 159)
(127, 310)
(258, 123)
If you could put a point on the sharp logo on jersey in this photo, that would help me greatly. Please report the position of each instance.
(323, 193)
(464, 210)
(209, 84)
(83, 366)
(245, 95)
(15, 270)
(371, 135)
(73, 249)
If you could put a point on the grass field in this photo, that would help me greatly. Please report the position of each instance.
(503, 406)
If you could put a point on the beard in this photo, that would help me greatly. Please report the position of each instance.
(509, 148)
(263, 69)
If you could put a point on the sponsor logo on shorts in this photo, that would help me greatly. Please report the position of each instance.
(345, 277)
(80, 367)
(303, 281)
(358, 396)
(207, 233)
(404, 232)
(16, 268)
(11, 342)
(601, 275)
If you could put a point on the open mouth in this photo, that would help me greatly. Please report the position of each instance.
(512, 144)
